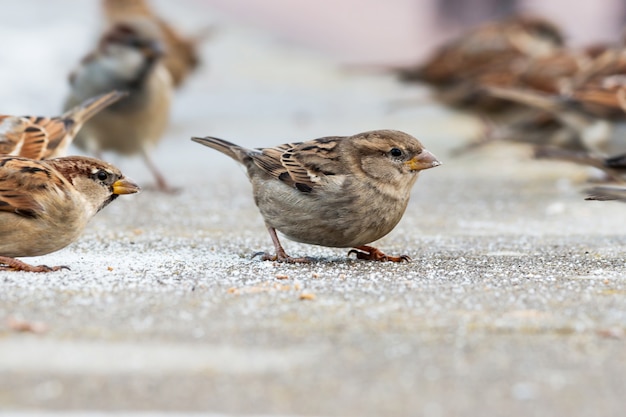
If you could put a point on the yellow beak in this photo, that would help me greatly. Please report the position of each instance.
(125, 186)
(422, 161)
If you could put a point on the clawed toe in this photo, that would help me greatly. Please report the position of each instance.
(13, 264)
(370, 253)
(46, 268)
(265, 256)
(281, 258)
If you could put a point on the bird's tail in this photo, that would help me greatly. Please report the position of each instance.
(606, 193)
(90, 107)
(238, 153)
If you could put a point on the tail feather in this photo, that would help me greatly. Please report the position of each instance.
(616, 162)
(606, 194)
(90, 107)
(236, 152)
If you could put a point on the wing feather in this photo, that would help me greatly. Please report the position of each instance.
(302, 165)
(21, 180)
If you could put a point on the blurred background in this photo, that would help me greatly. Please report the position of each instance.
(46, 40)
(279, 70)
(401, 31)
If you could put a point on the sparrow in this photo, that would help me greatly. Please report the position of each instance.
(124, 60)
(333, 191)
(45, 205)
(38, 137)
(496, 53)
(549, 74)
(182, 57)
(486, 45)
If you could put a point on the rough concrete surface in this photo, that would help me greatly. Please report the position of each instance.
(514, 304)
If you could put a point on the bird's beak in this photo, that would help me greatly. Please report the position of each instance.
(422, 161)
(125, 186)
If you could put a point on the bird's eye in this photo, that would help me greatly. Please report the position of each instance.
(102, 175)
(395, 152)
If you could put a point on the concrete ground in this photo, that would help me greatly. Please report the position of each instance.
(514, 304)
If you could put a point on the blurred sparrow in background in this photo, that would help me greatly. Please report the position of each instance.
(496, 53)
(181, 55)
(125, 60)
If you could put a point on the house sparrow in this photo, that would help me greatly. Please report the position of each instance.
(128, 61)
(45, 205)
(49, 137)
(181, 52)
(491, 54)
(547, 74)
(486, 45)
(333, 191)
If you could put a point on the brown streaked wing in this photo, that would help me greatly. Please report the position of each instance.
(601, 102)
(20, 180)
(34, 140)
(55, 130)
(11, 134)
(312, 160)
(269, 160)
(321, 156)
(301, 164)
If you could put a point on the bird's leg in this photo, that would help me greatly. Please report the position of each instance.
(17, 265)
(370, 253)
(281, 255)
(160, 180)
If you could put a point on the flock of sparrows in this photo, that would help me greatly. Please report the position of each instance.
(518, 72)
(119, 100)
(530, 87)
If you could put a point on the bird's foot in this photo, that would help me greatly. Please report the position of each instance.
(13, 264)
(282, 257)
(370, 253)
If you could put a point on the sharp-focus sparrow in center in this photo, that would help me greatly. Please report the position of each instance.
(334, 191)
